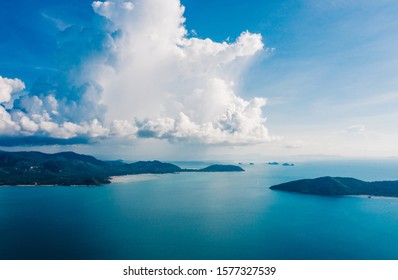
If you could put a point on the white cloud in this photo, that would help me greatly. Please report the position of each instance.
(9, 87)
(28, 125)
(141, 75)
(123, 128)
(108, 8)
(127, 6)
(40, 116)
(175, 87)
(7, 125)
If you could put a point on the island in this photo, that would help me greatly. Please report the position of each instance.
(69, 168)
(273, 163)
(216, 168)
(288, 164)
(337, 186)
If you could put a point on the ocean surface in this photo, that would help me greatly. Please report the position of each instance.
(203, 216)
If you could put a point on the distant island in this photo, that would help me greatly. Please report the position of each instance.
(216, 168)
(69, 168)
(277, 163)
(333, 186)
(250, 163)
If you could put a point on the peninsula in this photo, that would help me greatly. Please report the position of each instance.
(333, 186)
(69, 168)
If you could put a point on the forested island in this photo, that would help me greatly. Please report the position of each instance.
(69, 168)
(334, 186)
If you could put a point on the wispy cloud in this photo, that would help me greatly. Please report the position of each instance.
(56, 21)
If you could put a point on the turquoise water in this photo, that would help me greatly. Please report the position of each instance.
(203, 216)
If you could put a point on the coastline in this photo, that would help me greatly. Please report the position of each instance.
(372, 196)
(114, 179)
(133, 178)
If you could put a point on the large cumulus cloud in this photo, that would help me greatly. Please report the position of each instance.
(139, 75)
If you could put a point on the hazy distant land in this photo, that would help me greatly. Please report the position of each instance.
(334, 186)
(69, 168)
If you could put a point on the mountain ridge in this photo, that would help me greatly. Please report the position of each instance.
(70, 168)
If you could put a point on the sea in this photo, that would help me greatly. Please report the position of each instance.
(203, 216)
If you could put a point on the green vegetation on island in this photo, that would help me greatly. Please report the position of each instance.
(217, 168)
(69, 168)
(333, 186)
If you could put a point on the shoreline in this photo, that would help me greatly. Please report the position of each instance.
(112, 180)
(372, 196)
(133, 178)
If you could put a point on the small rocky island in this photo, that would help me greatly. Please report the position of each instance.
(69, 168)
(333, 186)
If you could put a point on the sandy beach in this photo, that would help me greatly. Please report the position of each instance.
(134, 178)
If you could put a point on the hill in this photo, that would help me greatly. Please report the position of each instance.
(217, 168)
(340, 186)
(69, 168)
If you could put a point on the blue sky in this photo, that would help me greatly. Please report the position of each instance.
(327, 70)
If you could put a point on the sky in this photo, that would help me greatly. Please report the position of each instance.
(193, 80)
